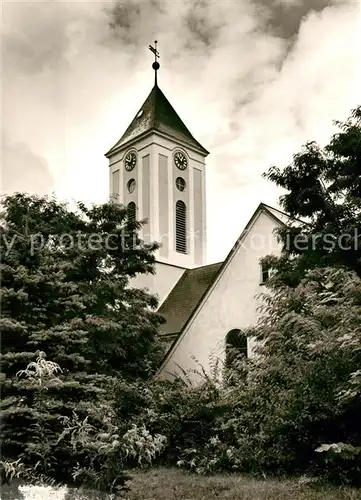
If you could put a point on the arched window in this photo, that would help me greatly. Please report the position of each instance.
(180, 227)
(236, 346)
(131, 209)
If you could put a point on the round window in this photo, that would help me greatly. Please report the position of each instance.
(180, 183)
(131, 185)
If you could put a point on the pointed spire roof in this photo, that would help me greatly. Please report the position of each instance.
(157, 115)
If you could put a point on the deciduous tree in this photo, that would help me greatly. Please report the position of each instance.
(323, 188)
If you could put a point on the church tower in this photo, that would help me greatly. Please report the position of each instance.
(157, 170)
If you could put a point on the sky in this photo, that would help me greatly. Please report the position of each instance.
(253, 80)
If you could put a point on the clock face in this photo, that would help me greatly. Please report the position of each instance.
(180, 160)
(130, 161)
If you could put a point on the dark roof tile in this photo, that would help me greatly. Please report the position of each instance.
(185, 296)
(157, 114)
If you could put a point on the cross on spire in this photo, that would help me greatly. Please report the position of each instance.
(156, 64)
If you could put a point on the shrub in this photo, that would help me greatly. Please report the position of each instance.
(299, 392)
(81, 449)
(139, 446)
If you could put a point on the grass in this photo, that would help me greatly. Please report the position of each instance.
(172, 484)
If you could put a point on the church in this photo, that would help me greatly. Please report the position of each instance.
(158, 170)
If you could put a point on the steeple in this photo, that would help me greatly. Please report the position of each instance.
(157, 170)
(157, 115)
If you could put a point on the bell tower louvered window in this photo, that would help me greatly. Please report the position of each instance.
(181, 227)
(131, 208)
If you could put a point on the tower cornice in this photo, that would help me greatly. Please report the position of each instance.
(126, 145)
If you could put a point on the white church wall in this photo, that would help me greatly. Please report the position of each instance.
(199, 221)
(162, 282)
(144, 205)
(116, 180)
(155, 195)
(186, 197)
(163, 150)
(164, 209)
(127, 176)
(115, 184)
(231, 303)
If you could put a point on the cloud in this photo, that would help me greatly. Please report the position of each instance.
(35, 43)
(253, 80)
(284, 17)
(24, 171)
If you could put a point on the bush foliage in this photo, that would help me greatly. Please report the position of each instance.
(71, 326)
(300, 394)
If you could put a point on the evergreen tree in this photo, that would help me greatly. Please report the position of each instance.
(65, 292)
